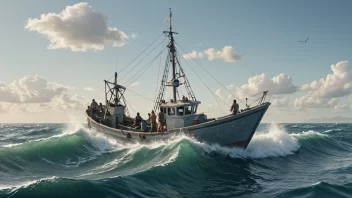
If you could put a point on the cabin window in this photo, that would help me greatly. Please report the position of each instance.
(180, 111)
(195, 108)
(171, 111)
(188, 110)
(162, 109)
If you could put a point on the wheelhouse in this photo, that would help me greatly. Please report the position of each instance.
(180, 113)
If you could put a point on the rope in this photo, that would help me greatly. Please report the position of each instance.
(209, 73)
(255, 95)
(130, 106)
(139, 95)
(145, 68)
(137, 56)
(142, 59)
(157, 82)
(206, 86)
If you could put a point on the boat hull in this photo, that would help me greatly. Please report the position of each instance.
(232, 131)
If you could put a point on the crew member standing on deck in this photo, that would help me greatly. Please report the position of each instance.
(234, 108)
(161, 121)
(153, 122)
(94, 104)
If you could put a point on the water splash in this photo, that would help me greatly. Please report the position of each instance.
(274, 142)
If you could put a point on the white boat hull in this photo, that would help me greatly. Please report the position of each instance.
(232, 131)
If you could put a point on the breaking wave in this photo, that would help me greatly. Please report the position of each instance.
(56, 156)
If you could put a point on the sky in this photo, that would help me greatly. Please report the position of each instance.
(54, 55)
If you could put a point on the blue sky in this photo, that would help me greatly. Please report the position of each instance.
(267, 32)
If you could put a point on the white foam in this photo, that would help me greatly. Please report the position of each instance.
(308, 134)
(274, 142)
(170, 158)
(333, 130)
(25, 184)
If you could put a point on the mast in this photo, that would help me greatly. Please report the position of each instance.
(173, 57)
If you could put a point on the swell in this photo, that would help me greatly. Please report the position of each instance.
(320, 189)
(82, 159)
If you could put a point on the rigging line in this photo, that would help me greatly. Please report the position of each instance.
(140, 95)
(206, 86)
(141, 53)
(130, 106)
(142, 59)
(209, 73)
(157, 82)
(145, 68)
(254, 95)
(137, 56)
(117, 59)
(255, 101)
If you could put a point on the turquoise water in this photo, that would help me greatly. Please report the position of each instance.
(283, 160)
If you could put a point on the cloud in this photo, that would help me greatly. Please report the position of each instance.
(219, 94)
(30, 89)
(226, 54)
(77, 27)
(193, 55)
(312, 102)
(337, 84)
(343, 107)
(230, 87)
(89, 89)
(280, 84)
(134, 36)
(135, 84)
(280, 102)
(66, 101)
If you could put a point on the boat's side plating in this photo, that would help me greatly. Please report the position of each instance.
(235, 130)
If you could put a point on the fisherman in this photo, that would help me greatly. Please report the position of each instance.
(144, 126)
(88, 111)
(100, 108)
(107, 120)
(107, 113)
(94, 104)
(152, 122)
(138, 120)
(148, 121)
(234, 108)
(183, 98)
(161, 119)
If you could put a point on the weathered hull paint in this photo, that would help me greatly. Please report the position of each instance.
(232, 131)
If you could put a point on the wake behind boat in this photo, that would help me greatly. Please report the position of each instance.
(177, 115)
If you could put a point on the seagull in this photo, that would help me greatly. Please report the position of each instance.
(303, 41)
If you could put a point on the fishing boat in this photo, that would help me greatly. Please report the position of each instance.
(180, 114)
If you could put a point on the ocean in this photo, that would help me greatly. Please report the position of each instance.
(69, 160)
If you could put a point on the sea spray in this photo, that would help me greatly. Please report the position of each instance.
(274, 142)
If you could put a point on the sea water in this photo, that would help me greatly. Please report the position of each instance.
(69, 160)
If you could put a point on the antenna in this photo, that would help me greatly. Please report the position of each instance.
(117, 58)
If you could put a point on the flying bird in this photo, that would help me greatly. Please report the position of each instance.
(303, 41)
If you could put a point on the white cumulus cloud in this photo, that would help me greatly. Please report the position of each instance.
(30, 89)
(89, 89)
(312, 102)
(227, 54)
(337, 84)
(134, 35)
(280, 102)
(193, 55)
(77, 27)
(135, 84)
(280, 84)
